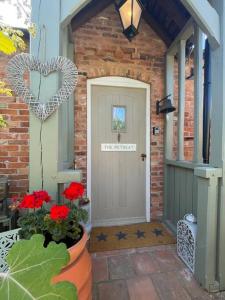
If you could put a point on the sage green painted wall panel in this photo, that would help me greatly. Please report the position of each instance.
(170, 192)
(206, 240)
(58, 129)
(181, 191)
(182, 187)
(189, 191)
(177, 182)
(48, 47)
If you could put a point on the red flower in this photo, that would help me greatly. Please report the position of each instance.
(42, 195)
(59, 212)
(29, 201)
(74, 191)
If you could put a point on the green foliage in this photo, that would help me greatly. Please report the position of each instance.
(39, 221)
(3, 123)
(118, 125)
(69, 227)
(4, 90)
(11, 40)
(31, 223)
(31, 269)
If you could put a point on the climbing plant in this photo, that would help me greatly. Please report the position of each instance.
(11, 40)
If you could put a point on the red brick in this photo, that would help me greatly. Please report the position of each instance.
(113, 290)
(100, 269)
(144, 263)
(141, 288)
(102, 50)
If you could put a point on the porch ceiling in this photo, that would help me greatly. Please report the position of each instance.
(166, 18)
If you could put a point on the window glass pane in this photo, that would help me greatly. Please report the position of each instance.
(125, 13)
(118, 118)
(136, 13)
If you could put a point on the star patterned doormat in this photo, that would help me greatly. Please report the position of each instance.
(129, 236)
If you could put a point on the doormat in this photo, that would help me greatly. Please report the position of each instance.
(129, 236)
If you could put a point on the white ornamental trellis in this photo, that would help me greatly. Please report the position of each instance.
(7, 240)
(186, 242)
(40, 107)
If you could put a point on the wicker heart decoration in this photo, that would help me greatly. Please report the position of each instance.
(22, 62)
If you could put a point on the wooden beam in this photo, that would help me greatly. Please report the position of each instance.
(157, 27)
(185, 33)
(198, 92)
(169, 117)
(206, 17)
(173, 11)
(69, 9)
(207, 215)
(217, 144)
(181, 99)
(168, 133)
(88, 12)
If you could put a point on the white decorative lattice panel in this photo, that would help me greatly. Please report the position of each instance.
(7, 240)
(186, 242)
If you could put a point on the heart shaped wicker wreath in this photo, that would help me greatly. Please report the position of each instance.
(22, 62)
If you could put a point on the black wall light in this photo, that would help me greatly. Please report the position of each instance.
(130, 14)
(164, 106)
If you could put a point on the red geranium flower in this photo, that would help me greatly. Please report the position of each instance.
(42, 195)
(59, 212)
(74, 191)
(29, 201)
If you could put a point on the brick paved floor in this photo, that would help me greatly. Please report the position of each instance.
(154, 273)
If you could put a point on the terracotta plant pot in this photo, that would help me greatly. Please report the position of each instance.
(79, 269)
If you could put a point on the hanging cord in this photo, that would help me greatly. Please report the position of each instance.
(41, 161)
(39, 91)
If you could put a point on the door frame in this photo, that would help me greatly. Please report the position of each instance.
(115, 81)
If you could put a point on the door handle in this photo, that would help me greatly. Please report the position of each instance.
(143, 156)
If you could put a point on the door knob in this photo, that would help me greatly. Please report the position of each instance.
(143, 156)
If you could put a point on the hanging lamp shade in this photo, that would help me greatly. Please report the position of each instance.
(130, 14)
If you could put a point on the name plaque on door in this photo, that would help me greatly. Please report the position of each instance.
(119, 147)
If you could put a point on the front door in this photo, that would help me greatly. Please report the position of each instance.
(118, 149)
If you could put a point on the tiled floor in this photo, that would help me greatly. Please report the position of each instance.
(153, 273)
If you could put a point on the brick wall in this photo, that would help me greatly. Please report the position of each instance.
(189, 113)
(14, 152)
(102, 50)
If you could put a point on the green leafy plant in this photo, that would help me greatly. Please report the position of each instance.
(61, 223)
(31, 269)
(3, 122)
(11, 40)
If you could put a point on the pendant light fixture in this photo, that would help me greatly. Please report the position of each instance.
(130, 14)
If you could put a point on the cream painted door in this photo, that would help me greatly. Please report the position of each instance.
(118, 116)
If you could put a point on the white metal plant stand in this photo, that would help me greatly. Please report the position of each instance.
(7, 240)
(186, 242)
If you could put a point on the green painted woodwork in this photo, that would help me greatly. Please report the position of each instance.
(217, 151)
(194, 189)
(200, 188)
(207, 215)
(49, 48)
(180, 192)
(217, 155)
(58, 129)
(188, 187)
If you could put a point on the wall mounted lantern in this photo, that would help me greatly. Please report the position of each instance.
(164, 106)
(130, 14)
